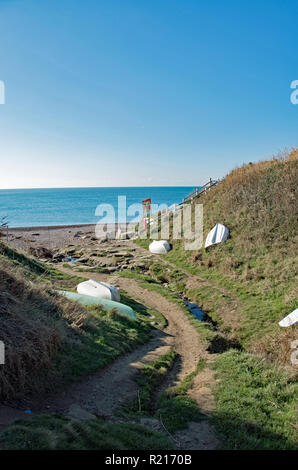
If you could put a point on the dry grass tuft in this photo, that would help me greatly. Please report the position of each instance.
(276, 346)
(260, 198)
(33, 324)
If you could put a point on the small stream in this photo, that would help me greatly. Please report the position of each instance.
(192, 307)
(195, 309)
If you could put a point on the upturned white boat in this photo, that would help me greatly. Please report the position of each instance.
(159, 247)
(218, 234)
(102, 290)
(290, 319)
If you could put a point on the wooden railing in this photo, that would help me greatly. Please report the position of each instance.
(199, 191)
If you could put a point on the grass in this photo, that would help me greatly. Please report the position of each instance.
(258, 312)
(51, 342)
(252, 274)
(246, 286)
(103, 337)
(150, 377)
(256, 404)
(35, 269)
(54, 432)
(169, 275)
(144, 313)
(175, 408)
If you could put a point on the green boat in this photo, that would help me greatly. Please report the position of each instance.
(106, 304)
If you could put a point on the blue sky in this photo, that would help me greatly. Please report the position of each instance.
(141, 93)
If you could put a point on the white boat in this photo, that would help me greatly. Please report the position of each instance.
(159, 247)
(218, 234)
(102, 290)
(290, 319)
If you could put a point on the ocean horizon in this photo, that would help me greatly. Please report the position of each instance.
(74, 206)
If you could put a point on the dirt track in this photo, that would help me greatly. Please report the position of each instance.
(104, 392)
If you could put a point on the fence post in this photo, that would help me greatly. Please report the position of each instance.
(2, 353)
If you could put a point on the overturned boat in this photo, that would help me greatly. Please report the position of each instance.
(159, 247)
(102, 290)
(290, 319)
(88, 300)
(218, 234)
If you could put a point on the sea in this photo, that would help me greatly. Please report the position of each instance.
(75, 206)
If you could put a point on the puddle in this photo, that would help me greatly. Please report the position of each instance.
(192, 307)
(195, 310)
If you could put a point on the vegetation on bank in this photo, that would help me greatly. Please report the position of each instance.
(150, 378)
(256, 404)
(246, 286)
(173, 407)
(205, 329)
(254, 274)
(49, 340)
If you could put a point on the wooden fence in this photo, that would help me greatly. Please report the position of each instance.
(199, 191)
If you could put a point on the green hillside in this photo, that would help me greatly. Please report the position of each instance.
(249, 283)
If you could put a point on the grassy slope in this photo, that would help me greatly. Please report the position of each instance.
(257, 266)
(253, 275)
(255, 399)
(51, 338)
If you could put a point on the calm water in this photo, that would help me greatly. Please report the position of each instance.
(67, 206)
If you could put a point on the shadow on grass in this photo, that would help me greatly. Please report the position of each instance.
(238, 434)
